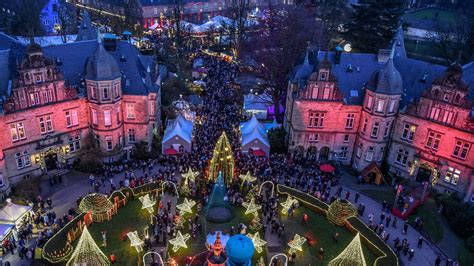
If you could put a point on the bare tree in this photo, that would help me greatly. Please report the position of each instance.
(236, 29)
(67, 19)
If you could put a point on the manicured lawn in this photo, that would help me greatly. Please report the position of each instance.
(320, 231)
(380, 195)
(441, 16)
(129, 218)
(431, 219)
(422, 48)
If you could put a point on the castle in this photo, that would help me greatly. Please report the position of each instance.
(55, 98)
(361, 109)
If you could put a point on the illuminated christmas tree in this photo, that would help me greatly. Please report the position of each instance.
(222, 160)
(87, 252)
(352, 255)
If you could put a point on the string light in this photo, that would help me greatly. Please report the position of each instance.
(189, 176)
(87, 252)
(186, 206)
(98, 204)
(248, 177)
(222, 150)
(179, 241)
(147, 203)
(251, 207)
(351, 255)
(296, 244)
(288, 204)
(339, 211)
(258, 243)
(135, 241)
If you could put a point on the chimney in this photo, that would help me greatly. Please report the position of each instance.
(384, 55)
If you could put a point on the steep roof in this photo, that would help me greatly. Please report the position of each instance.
(255, 134)
(5, 73)
(387, 80)
(86, 31)
(179, 127)
(101, 65)
(250, 125)
(132, 65)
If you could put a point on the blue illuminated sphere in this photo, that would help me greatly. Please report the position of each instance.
(239, 249)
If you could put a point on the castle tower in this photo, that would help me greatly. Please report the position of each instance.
(381, 101)
(104, 95)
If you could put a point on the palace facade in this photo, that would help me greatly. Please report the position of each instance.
(364, 108)
(58, 99)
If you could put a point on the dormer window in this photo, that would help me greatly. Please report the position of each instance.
(457, 99)
(38, 78)
(446, 97)
(349, 68)
(424, 78)
(436, 94)
(323, 76)
(27, 76)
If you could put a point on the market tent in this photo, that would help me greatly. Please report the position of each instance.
(254, 138)
(178, 135)
(5, 229)
(257, 104)
(372, 173)
(12, 213)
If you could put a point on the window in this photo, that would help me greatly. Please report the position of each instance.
(130, 111)
(461, 149)
(107, 121)
(71, 118)
(380, 105)
(364, 127)
(323, 76)
(346, 138)
(326, 91)
(452, 176)
(434, 114)
(375, 130)
(350, 120)
(447, 117)
(94, 117)
(97, 141)
(313, 137)
(316, 119)
(105, 94)
(93, 92)
(387, 128)
(343, 153)
(359, 150)
(17, 131)
(34, 98)
(370, 102)
(381, 154)
(370, 154)
(131, 135)
(433, 140)
(38, 78)
(74, 143)
(152, 107)
(110, 143)
(22, 159)
(46, 125)
(408, 132)
(117, 112)
(116, 91)
(47, 96)
(155, 10)
(402, 157)
(391, 106)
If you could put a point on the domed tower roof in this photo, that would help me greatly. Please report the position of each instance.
(387, 80)
(33, 48)
(101, 65)
(239, 249)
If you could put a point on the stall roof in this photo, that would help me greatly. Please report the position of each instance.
(12, 212)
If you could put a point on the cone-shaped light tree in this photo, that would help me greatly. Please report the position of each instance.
(222, 160)
(87, 252)
(352, 255)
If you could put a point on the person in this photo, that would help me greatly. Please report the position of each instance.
(321, 253)
(394, 222)
(104, 238)
(405, 228)
(357, 195)
(387, 221)
(335, 237)
(91, 180)
(420, 242)
(411, 253)
(438, 261)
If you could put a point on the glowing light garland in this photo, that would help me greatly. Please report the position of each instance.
(87, 252)
(248, 177)
(287, 204)
(179, 241)
(186, 206)
(251, 207)
(147, 203)
(135, 241)
(258, 243)
(339, 211)
(351, 255)
(296, 244)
